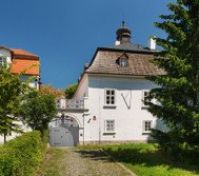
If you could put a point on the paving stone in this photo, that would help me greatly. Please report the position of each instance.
(89, 163)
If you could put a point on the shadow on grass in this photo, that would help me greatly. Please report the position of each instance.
(95, 155)
(149, 158)
(138, 155)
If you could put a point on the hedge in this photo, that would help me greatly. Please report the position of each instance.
(22, 155)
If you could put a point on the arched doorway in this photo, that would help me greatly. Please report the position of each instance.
(64, 131)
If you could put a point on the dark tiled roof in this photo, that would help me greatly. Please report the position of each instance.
(139, 63)
(130, 47)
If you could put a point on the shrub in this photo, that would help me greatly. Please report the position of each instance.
(21, 156)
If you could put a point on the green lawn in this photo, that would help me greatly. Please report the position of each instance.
(146, 160)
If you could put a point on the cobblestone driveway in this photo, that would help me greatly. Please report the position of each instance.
(77, 162)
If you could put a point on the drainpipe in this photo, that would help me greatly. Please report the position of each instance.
(83, 126)
(99, 112)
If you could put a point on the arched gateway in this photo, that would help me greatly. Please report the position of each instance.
(64, 131)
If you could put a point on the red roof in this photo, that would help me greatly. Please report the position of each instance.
(25, 66)
(24, 62)
(20, 52)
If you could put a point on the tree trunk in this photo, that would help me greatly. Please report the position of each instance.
(4, 138)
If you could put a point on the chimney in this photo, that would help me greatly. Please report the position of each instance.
(117, 42)
(152, 43)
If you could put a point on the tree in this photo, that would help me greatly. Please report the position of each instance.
(49, 90)
(178, 94)
(11, 95)
(38, 110)
(70, 91)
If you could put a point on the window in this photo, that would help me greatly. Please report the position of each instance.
(58, 103)
(147, 126)
(110, 97)
(123, 62)
(2, 60)
(109, 126)
(145, 94)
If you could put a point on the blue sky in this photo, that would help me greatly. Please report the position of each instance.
(65, 33)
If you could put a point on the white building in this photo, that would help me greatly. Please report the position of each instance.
(108, 104)
(21, 61)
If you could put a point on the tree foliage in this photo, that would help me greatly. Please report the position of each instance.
(70, 91)
(12, 90)
(178, 94)
(38, 110)
(49, 90)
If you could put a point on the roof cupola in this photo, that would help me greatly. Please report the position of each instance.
(123, 34)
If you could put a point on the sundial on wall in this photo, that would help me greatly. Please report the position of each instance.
(127, 96)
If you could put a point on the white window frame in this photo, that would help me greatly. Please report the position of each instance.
(123, 62)
(2, 60)
(105, 97)
(106, 130)
(144, 96)
(145, 131)
(58, 103)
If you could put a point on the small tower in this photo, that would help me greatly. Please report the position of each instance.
(123, 34)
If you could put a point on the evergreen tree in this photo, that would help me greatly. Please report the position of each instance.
(11, 95)
(178, 94)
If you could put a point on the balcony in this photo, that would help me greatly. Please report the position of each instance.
(72, 104)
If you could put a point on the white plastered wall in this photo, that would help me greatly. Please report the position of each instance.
(13, 135)
(128, 117)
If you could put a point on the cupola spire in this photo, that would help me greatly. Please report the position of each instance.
(123, 34)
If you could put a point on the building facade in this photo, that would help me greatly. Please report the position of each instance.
(108, 104)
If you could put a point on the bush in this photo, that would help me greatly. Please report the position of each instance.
(21, 156)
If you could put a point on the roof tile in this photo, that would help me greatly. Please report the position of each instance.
(29, 67)
(20, 52)
(140, 64)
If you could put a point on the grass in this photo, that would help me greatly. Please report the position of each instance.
(146, 160)
(51, 162)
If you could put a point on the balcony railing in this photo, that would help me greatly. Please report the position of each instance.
(74, 104)
(71, 104)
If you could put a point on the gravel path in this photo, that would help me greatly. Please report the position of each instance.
(89, 163)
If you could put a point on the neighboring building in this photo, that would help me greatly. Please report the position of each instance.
(22, 62)
(25, 63)
(108, 104)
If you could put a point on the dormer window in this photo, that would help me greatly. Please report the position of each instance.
(123, 62)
